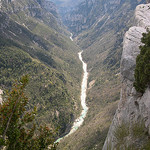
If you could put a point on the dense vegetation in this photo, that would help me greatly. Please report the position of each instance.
(18, 130)
(142, 70)
(31, 42)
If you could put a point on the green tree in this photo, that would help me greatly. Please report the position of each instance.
(142, 70)
(17, 128)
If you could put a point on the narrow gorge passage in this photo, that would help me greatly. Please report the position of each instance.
(79, 121)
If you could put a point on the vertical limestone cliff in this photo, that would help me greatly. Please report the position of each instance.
(133, 113)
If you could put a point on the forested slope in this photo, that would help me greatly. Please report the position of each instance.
(32, 42)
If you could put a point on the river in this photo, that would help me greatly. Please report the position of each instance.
(79, 121)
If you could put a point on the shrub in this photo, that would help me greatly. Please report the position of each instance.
(120, 133)
(15, 120)
(142, 70)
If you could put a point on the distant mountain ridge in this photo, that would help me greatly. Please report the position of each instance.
(93, 12)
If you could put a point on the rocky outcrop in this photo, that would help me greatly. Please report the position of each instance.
(1, 92)
(95, 13)
(133, 106)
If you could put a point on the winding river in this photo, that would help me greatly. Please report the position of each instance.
(79, 121)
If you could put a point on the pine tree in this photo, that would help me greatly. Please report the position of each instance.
(142, 70)
(15, 120)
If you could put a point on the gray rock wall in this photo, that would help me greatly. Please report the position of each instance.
(1, 92)
(132, 106)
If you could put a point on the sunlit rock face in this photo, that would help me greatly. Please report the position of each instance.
(132, 106)
(132, 41)
(1, 92)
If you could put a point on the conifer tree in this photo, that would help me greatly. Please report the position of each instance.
(142, 70)
(15, 119)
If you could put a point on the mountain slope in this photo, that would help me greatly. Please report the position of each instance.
(98, 27)
(66, 4)
(130, 126)
(31, 42)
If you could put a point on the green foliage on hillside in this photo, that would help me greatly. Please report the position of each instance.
(120, 134)
(15, 133)
(29, 45)
(47, 86)
(142, 70)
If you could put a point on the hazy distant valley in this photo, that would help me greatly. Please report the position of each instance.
(35, 40)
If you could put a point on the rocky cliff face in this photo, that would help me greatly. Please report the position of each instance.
(133, 107)
(91, 13)
(1, 92)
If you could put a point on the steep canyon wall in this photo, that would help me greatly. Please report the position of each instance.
(133, 107)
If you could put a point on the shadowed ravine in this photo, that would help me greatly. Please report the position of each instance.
(79, 121)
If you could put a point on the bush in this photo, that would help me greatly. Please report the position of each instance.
(15, 120)
(121, 133)
(142, 70)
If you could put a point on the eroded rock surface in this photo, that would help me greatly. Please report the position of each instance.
(132, 106)
(1, 92)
